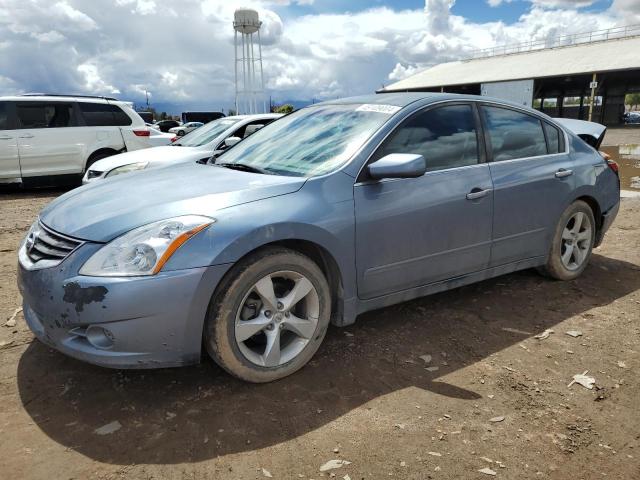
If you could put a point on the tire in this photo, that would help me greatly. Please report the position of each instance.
(235, 304)
(180, 133)
(97, 156)
(569, 256)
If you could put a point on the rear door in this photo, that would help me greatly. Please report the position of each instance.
(48, 138)
(9, 159)
(416, 231)
(533, 182)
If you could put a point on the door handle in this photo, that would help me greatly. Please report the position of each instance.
(6, 138)
(563, 173)
(477, 193)
(26, 135)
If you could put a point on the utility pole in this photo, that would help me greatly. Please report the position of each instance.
(593, 85)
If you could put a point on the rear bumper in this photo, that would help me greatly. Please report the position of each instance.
(607, 220)
(136, 322)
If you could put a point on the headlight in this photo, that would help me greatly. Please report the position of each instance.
(144, 250)
(132, 167)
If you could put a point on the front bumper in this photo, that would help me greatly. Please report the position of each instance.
(134, 322)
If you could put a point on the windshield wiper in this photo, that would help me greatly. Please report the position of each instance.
(244, 167)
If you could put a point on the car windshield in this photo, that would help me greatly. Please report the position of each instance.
(310, 142)
(207, 133)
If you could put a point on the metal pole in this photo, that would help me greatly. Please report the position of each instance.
(244, 77)
(254, 105)
(262, 75)
(593, 96)
(235, 50)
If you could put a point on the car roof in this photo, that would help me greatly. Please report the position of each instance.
(62, 98)
(403, 99)
(253, 116)
(398, 99)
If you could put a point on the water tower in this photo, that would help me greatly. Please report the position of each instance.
(250, 96)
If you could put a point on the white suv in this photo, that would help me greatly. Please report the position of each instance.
(50, 138)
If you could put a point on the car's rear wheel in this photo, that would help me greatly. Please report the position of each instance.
(572, 242)
(180, 133)
(269, 316)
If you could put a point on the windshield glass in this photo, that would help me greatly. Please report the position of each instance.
(310, 142)
(206, 133)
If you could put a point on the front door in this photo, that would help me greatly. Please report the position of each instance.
(413, 232)
(532, 179)
(9, 159)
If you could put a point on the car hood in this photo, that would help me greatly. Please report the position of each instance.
(155, 156)
(104, 210)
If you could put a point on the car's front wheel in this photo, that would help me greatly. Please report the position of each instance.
(181, 133)
(572, 242)
(269, 316)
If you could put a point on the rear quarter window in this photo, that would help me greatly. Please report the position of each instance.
(554, 138)
(103, 115)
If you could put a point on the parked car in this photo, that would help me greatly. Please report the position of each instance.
(336, 209)
(159, 139)
(185, 128)
(204, 117)
(631, 117)
(165, 125)
(199, 145)
(50, 138)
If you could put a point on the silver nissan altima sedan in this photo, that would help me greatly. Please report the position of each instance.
(339, 208)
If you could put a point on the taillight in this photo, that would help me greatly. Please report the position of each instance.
(613, 166)
(174, 139)
(142, 133)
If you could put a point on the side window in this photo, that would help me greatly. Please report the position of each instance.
(514, 134)
(250, 128)
(445, 136)
(554, 138)
(45, 115)
(103, 115)
(4, 116)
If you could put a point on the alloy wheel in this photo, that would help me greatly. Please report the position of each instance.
(277, 318)
(577, 237)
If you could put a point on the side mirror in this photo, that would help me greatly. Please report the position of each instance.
(231, 141)
(398, 165)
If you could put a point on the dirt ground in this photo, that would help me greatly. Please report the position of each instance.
(367, 397)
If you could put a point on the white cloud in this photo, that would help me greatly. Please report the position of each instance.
(83, 21)
(93, 82)
(183, 52)
(550, 3)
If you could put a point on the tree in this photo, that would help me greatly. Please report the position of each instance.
(286, 108)
(633, 100)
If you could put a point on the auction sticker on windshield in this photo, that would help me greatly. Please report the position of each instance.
(374, 107)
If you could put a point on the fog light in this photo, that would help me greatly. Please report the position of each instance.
(99, 337)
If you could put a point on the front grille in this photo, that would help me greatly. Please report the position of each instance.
(50, 248)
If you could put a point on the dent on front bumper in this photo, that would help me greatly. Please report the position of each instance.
(135, 322)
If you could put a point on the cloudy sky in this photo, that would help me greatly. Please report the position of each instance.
(182, 50)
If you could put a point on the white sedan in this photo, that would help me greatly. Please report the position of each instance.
(196, 146)
(158, 138)
(185, 128)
